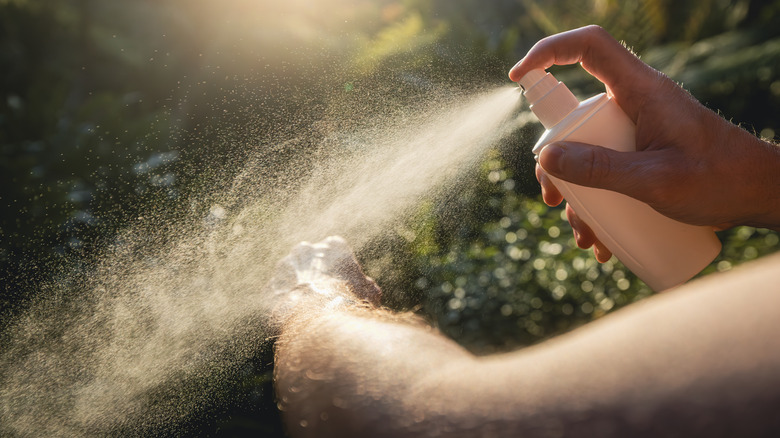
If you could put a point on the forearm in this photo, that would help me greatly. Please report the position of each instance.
(348, 372)
(703, 360)
(698, 360)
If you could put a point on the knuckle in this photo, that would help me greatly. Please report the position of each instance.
(600, 170)
(596, 34)
(595, 30)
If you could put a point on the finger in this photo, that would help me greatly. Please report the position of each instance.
(347, 268)
(600, 54)
(550, 193)
(583, 235)
(301, 254)
(338, 243)
(623, 172)
(371, 292)
(601, 252)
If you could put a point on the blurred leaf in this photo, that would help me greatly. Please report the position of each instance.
(398, 40)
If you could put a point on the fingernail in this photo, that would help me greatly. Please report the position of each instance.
(551, 158)
(514, 67)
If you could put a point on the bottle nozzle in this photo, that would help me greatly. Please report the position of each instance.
(550, 100)
(531, 78)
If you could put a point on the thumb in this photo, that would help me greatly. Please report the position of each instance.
(599, 167)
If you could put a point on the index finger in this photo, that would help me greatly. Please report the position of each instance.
(598, 53)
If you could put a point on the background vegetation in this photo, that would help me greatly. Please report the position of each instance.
(112, 112)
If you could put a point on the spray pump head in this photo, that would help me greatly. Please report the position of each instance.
(550, 100)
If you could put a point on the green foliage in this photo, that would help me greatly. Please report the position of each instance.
(406, 39)
(521, 278)
(110, 111)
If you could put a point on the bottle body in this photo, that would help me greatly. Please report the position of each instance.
(662, 252)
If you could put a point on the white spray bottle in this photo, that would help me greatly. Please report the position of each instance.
(662, 252)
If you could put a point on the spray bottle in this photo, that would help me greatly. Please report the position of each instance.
(662, 252)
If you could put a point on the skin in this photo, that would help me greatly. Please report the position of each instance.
(702, 360)
(704, 170)
(686, 363)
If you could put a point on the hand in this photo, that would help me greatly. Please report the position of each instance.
(690, 164)
(320, 276)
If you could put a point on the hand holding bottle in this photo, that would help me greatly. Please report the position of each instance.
(690, 165)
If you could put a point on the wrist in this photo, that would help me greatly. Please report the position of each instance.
(310, 300)
(770, 216)
(758, 182)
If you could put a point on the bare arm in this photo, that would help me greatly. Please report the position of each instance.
(702, 361)
(362, 373)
